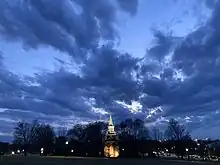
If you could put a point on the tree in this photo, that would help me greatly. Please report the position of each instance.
(77, 132)
(25, 134)
(140, 131)
(176, 131)
(45, 138)
(62, 131)
(94, 138)
(156, 134)
(132, 136)
(133, 129)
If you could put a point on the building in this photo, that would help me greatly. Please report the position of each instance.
(111, 148)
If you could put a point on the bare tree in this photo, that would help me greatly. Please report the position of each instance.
(45, 137)
(179, 135)
(77, 132)
(176, 131)
(156, 134)
(62, 131)
(25, 134)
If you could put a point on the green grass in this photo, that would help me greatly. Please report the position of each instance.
(37, 160)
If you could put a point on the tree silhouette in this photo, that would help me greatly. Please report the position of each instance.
(179, 135)
(62, 131)
(45, 137)
(77, 133)
(25, 134)
(156, 134)
(176, 131)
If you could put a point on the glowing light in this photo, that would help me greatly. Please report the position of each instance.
(42, 150)
(187, 149)
(18, 151)
(12, 152)
(72, 151)
(67, 142)
(111, 151)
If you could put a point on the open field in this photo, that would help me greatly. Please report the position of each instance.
(37, 160)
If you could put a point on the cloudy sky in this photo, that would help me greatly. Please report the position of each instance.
(74, 61)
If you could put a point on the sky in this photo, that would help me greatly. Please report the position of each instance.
(76, 61)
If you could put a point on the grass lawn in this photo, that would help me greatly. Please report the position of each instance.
(37, 160)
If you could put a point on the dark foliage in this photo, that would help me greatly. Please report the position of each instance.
(134, 139)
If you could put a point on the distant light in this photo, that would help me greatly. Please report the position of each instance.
(67, 142)
(12, 152)
(22, 150)
(198, 144)
(42, 150)
(196, 140)
(18, 151)
(123, 149)
(187, 149)
(72, 151)
(167, 150)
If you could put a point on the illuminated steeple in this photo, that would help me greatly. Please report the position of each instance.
(110, 120)
(111, 148)
(111, 127)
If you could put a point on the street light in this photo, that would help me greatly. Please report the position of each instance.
(67, 142)
(72, 151)
(187, 153)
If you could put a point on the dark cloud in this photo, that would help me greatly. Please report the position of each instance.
(163, 44)
(106, 77)
(72, 26)
(195, 58)
(76, 27)
(129, 5)
(109, 69)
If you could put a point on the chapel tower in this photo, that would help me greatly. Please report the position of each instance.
(111, 148)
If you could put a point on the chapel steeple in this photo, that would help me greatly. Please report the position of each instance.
(110, 120)
(111, 127)
(111, 148)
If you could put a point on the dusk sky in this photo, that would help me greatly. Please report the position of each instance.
(64, 62)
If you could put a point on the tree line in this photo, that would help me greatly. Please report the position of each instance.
(134, 139)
